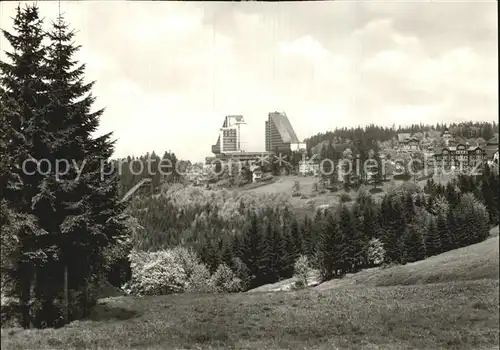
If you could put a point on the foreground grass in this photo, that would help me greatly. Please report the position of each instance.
(449, 301)
(461, 315)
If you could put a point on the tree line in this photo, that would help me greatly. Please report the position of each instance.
(466, 130)
(165, 169)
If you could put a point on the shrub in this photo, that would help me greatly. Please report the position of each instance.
(298, 285)
(344, 197)
(187, 259)
(199, 280)
(224, 280)
(10, 312)
(301, 270)
(156, 273)
(296, 188)
(376, 190)
(375, 252)
(242, 272)
(440, 206)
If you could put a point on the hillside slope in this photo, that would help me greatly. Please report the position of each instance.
(474, 262)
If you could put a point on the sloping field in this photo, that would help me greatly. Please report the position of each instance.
(456, 315)
(475, 262)
(309, 200)
(376, 309)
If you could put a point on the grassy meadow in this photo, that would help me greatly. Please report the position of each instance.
(449, 301)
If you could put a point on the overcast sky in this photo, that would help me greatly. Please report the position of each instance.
(168, 72)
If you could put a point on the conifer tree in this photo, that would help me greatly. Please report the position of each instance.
(433, 244)
(296, 240)
(414, 244)
(289, 257)
(254, 251)
(446, 234)
(92, 217)
(409, 208)
(329, 249)
(274, 242)
(351, 242)
(430, 203)
(25, 136)
(308, 239)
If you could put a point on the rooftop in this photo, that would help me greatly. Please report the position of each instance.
(493, 140)
(284, 127)
(403, 136)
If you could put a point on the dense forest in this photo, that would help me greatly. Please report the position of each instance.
(260, 238)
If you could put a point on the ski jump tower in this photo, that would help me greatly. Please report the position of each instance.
(229, 140)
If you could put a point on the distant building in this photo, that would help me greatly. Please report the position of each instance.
(408, 142)
(229, 135)
(447, 137)
(460, 156)
(280, 136)
(307, 167)
(252, 157)
(491, 150)
(256, 175)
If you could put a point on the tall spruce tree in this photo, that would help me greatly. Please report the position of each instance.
(24, 131)
(254, 251)
(296, 239)
(289, 255)
(414, 244)
(91, 216)
(351, 243)
(329, 257)
(433, 244)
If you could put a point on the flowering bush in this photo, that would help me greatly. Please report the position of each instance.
(375, 252)
(199, 280)
(187, 259)
(440, 206)
(224, 280)
(156, 273)
(301, 270)
(178, 270)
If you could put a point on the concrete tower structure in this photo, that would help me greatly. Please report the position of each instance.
(229, 140)
(280, 135)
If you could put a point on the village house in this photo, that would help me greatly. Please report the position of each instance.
(491, 150)
(461, 156)
(447, 137)
(408, 142)
(307, 167)
(256, 173)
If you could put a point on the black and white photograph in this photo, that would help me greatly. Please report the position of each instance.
(249, 175)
